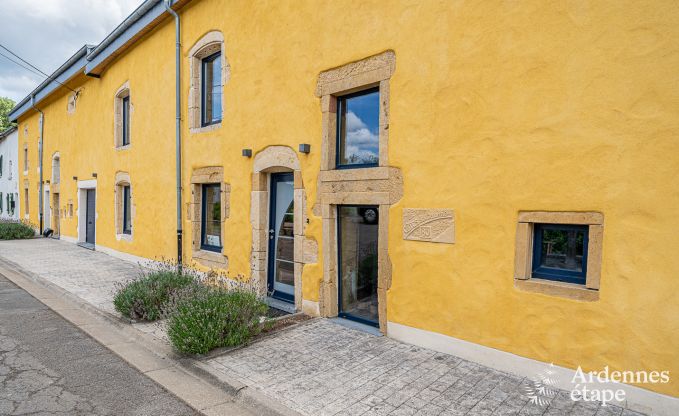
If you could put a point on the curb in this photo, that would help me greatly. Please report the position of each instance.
(191, 380)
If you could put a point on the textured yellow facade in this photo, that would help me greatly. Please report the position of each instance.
(495, 108)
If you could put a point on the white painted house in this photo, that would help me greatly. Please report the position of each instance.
(9, 174)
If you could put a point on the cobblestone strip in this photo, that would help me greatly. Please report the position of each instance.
(320, 368)
(325, 369)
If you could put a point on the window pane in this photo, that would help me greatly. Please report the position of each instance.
(285, 272)
(562, 249)
(211, 89)
(359, 129)
(358, 238)
(212, 211)
(126, 120)
(127, 210)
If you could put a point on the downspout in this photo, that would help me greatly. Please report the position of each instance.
(178, 133)
(40, 196)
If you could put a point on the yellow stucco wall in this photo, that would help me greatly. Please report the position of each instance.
(496, 107)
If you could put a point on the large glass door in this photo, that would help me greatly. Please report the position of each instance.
(281, 270)
(357, 259)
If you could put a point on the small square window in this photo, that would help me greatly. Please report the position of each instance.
(211, 218)
(126, 121)
(127, 210)
(560, 252)
(211, 89)
(358, 121)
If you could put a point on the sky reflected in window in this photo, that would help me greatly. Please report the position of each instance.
(359, 129)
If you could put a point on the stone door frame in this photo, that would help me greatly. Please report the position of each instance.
(276, 159)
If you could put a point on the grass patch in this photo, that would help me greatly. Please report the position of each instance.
(145, 297)
(15, 230)
(203, 318)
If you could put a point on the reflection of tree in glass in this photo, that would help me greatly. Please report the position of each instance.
(556, 241)
(367, 274)
(363, 159)
(216, 210)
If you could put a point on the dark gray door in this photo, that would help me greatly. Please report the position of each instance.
(90, 216)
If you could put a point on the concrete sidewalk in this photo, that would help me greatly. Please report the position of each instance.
(316, 368)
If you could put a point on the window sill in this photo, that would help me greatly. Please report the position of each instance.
(561, 289)
(124, 237)
(355, 174)
(125, 147)
(210, 259)
(205, 129)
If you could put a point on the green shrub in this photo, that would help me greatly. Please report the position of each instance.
(203, 318)
(14, 230)
(144, 298)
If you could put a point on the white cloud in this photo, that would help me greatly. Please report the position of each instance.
(361, 137)
(16, 85)
(354, 122)
(47, 33)
(361, 143)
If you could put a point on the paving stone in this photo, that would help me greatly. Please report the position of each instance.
(318, 368)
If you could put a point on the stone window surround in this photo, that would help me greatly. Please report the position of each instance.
(207, 45)
(122, 92)
(524, 254)
(56, 171)
(72, 101)
(123, 179)
(199, 177)
(381, 186)
(275, 159)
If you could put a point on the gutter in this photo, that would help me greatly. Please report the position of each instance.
(40, 188)
(178, 132)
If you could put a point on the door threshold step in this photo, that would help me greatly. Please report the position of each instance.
(88, 246)
(280, 305)
(357, 326)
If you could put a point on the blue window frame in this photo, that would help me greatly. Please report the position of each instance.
(358, 120)
(211, 212)
(560, 252)
(126, 120)
(211, 89)
(127, 210)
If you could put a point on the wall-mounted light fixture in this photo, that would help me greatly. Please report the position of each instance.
(247, 152)
(94, 174)
(75, 178)
(304, 148)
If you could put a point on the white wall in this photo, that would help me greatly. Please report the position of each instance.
(9, 181)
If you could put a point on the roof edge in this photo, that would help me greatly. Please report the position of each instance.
(91, 57)
(137, 14)
(62, 74)
(7, 131)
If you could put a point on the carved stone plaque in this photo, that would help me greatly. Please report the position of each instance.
(433, 225)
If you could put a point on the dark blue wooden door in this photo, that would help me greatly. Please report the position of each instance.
(90, 216)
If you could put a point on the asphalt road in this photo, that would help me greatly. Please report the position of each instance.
(49, 367)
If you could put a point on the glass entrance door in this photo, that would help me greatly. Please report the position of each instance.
(281, 270)
(357, 259)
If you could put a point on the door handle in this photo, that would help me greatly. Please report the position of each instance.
(271, 234)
